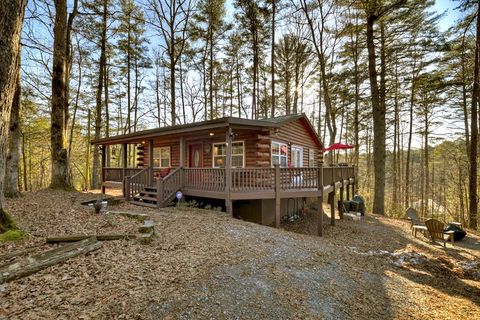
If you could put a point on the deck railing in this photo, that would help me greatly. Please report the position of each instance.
(242, 180)
(169, 185)
(209, 179)
(253, 179)
(138, 182)
(298, 178)
(118, 174)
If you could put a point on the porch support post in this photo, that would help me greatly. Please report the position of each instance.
(319, 217)
(348, 190)
(340, 207)
(331, 200)
(104, 159)
(228, 171)
(182, 152)
(277, 196)
(124, 166)
(150, 161)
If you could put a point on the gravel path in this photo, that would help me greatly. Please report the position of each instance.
(206, 265)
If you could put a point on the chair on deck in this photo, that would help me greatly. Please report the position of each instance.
(436, 229)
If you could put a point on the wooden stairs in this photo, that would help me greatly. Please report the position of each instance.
(144, 190)
(147, 197)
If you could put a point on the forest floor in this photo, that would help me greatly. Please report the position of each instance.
(205, 264)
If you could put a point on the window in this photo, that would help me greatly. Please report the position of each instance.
(279, 153)
(297, 156)
(311, 158)
(220, 155)
(161, 157)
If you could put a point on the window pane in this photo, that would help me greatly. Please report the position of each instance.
(283, 149)
(165, 163)
(165, 152)
(275, 148)
(275, 160)
(219, 150)
(219, 161)
(237, 161)
(283, 161)
(237, 148)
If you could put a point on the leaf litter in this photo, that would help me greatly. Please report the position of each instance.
(204, 264)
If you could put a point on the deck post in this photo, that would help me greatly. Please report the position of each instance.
(150, 161)
(348, 190)
(182, 151)
(277, 196)
(104, 159)
(319, 217)
(228, 171)
(124, 169)
(126, 188)
(159, 192)
(340, 207)
(331, 200)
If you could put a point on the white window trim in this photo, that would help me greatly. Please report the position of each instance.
(220, 143)
(280, 145)
(160, 159)
(294, 146)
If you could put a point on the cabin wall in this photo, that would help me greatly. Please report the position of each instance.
(174, 152)
(297, 133)
(257, 150)
(254, 157)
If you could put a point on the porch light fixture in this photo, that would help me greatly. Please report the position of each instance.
(143, 142)
(211, 134)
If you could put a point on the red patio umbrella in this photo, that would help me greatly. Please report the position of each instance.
(339, 146)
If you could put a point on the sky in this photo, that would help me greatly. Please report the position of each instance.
(451, 15)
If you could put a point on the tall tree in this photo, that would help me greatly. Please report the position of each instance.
(172, 20)
(374, 11)
(208, 25)
(11, 15)
(60, 87)
(472, 182)
(253, 17)
(99, 8)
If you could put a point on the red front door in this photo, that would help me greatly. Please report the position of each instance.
(196, 156)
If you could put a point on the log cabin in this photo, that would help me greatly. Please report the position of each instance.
(259, 169)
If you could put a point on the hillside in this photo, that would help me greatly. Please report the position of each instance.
(204, 264)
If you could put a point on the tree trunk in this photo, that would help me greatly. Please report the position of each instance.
(13, 158)
(272, 58)
(378, 111)
(472, 181)
(11, 15)
(98, 103)
(210, 71)
(59, 115)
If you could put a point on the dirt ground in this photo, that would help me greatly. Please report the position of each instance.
(206, 265)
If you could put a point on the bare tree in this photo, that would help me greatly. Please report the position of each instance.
(171, 19)
(60, 86)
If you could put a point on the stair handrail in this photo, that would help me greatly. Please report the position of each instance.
(130, 187)
(161, 196)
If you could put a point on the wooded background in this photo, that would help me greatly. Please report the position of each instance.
(382, 75)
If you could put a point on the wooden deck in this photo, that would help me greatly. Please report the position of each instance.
(244, 184)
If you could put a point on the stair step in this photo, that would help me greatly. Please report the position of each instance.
(150, 189)
(145, 204)
(153, 193)
(145, 198)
